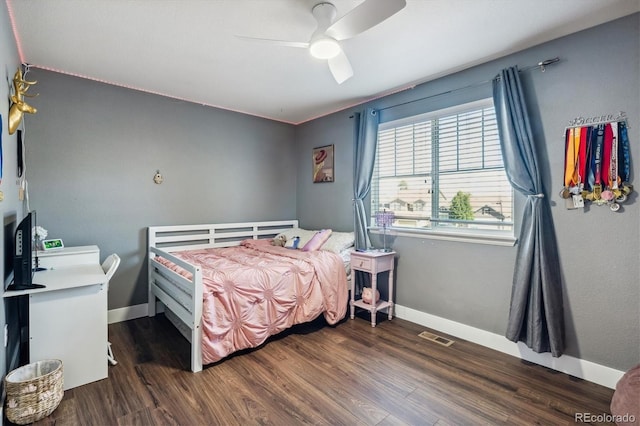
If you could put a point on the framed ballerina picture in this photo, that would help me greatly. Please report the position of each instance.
(323, 164)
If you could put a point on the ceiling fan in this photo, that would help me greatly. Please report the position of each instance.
(324, 42)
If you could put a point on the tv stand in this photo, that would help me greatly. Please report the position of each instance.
(18, 287)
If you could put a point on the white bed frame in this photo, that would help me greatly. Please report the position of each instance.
(180, 297)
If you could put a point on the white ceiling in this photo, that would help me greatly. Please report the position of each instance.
(187, 49)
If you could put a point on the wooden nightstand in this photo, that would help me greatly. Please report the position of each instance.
(373, 262)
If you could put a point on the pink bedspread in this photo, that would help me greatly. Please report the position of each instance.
(255, 290)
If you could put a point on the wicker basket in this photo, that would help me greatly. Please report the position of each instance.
(33, 391)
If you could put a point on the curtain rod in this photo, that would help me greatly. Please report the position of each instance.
(541, 65)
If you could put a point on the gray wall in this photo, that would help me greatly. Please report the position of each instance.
(9, 62)
(321, 205)
(92, 152)
(598, 74)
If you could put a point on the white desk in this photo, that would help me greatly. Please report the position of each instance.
(68, 318)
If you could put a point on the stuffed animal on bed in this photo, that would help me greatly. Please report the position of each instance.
(279, 241)
(296, 243)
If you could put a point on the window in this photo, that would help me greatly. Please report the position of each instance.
(443, 172)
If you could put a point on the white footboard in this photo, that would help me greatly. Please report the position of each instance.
(182, 297)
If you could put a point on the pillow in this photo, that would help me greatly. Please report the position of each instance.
(625, 399)
(339, 241)
(304, 234)
(317, 240)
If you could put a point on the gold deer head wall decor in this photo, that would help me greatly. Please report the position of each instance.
(19, 106)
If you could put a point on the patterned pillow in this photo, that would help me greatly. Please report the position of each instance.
(339, 241)
(316, 242)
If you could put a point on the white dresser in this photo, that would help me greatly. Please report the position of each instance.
(68, 256)
(68, 318)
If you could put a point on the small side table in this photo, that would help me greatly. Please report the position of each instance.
(373, 262)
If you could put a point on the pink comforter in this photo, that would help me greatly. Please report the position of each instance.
(255, 290)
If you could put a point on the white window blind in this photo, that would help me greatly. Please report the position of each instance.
(443, 171)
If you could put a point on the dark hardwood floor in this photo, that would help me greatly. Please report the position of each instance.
(350, 374)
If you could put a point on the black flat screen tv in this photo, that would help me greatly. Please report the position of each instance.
(10, 222)
(22, 255)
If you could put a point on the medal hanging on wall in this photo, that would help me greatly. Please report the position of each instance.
(624, 163)
(573, 169)
(597, 165)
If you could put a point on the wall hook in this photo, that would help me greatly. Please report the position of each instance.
(157, 178)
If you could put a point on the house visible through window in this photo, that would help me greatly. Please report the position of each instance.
(443, 171)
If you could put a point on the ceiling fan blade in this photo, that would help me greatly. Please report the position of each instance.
(366, 15)
(340, 68)
(285, 43)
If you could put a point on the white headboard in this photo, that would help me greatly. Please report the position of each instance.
(191, 237)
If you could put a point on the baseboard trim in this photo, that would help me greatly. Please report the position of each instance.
(128, 313)
(577, 367)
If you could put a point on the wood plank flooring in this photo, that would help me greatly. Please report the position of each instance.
(350, 374)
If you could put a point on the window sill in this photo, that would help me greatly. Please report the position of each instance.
(451, 235)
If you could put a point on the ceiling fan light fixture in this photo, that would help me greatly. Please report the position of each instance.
(324, 48)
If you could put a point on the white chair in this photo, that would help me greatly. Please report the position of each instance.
(109, 266)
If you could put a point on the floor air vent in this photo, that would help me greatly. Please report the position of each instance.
(435, 338)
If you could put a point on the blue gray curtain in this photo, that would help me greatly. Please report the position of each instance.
(366, 125)
(536, 313)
